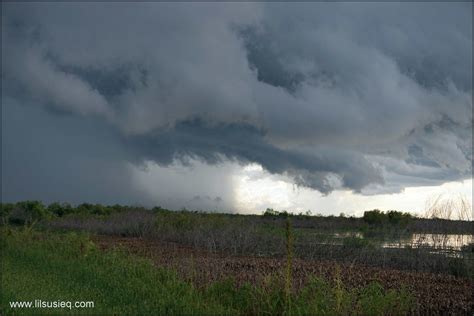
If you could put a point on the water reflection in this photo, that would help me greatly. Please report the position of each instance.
(436, 241)
(349, 235)
(453, 242)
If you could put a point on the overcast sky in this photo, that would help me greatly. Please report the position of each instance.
(237, 106)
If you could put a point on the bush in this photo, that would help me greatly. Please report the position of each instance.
(27, 213)
(5, 212)
(60, 209)
(94, 209)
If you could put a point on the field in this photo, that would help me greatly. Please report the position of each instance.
(431, 292)
(137, 261)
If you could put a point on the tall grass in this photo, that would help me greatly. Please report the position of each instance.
(265, 236)
(69, 267)
(289, 265)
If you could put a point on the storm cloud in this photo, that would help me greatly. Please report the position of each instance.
(370, 97)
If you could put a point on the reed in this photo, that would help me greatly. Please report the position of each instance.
(289, 264)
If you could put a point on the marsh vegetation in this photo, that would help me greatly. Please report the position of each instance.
(183, 262)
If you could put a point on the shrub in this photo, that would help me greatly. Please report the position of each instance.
(27, 213)
(5, 212)
(60, 209)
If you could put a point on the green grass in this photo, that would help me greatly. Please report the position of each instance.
(69, 267)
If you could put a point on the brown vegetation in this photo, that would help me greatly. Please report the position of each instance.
(434, 293)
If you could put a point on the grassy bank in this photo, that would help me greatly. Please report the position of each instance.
(69, 267)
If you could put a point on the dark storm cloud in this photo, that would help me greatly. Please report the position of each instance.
(366, 96)
(245, 143)
(66, 159)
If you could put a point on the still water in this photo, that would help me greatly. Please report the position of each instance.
(436, 241)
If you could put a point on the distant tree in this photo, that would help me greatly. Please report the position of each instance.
(84, 208)
(60, 210)
(374, 217)
(99, 209)
(270, 212)
(158, 209)
(398, 218)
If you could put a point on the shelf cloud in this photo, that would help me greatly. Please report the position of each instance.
(368, 97)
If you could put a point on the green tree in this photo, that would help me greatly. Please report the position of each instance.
(374, 217)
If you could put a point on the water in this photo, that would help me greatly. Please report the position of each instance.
(348, 234)
(435, 241)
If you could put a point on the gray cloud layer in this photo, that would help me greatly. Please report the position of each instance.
(370, 97)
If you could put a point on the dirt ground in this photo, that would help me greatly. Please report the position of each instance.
(434, 293)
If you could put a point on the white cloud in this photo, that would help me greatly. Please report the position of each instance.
(257, 190)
